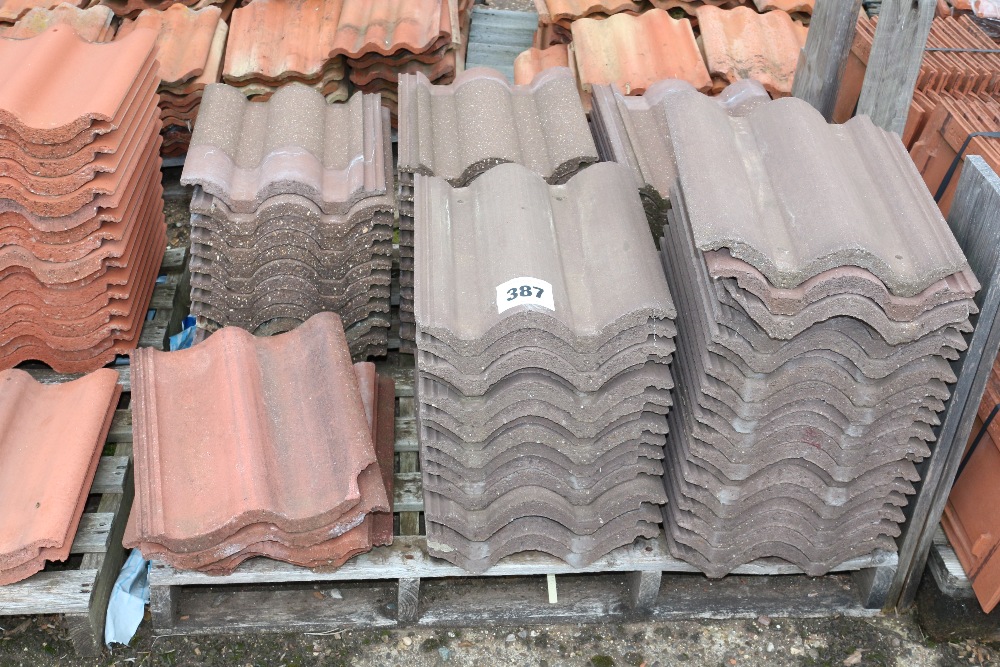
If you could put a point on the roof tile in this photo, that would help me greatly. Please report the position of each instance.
(636, 51)
(12, 10)
(43, 503)
(742, 44)
(530, 63)
(184, 39)
(329, 475)
(92, 24)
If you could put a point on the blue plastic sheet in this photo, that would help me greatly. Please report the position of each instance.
(128, 600)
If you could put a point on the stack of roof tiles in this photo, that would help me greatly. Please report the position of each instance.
(322, 43)
(93, 24)
(458, 132)
(292, 214)
(731, 45)
(957, 94)
(821, 296)
(545, 331)
(301, 447)
(189, 48)
(81, 209)
(42, 503)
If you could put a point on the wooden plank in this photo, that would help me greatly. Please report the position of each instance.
(59, 592)
(407, 558)
(110, 476)
(947, 570)
(408, 600)
(93, 534)
(406, 435)
(824, 57)
(975, 220)
(408, 495)
(894, 63)
(49, 376)
(121, 427)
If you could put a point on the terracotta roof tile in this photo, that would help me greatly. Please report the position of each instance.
(12, 10)
(529, 63)
(132, 8)
(439, 71)
(565, 11)
(93, 24)
(742, 44)
(329, 477)
(43, 503)
(636, 51)
(33, 99)
(388, 26)
(330, 153)
(184, 39)
(790, 6)
(460, 130)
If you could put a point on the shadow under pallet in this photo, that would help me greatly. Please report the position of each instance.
(79, 588)
(402, 584)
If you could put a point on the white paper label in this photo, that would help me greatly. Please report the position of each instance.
(521, 291)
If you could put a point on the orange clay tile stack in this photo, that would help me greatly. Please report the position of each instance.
(12, 10)
(93, 24)
(81, 206)
(189, 48)
(957, 94)
(42, 503)
(132, 8)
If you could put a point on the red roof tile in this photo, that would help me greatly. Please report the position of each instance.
(636, 51)
(93, 24)
(742, 44)
(529, 63)
(12, 10)
(241, 430)
(184, 39)
(42, 503)
(43, 102)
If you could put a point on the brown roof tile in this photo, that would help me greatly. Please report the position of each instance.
(636, 51)
(530, 63)
(300, 470)
(742, 44)
(184, 39)
(295, 142)
(790, 6)
(389, 26)
(565, 11)
(43, 503)
(92, 24)
(44, 104)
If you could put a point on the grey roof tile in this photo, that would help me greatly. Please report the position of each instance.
(460, 130)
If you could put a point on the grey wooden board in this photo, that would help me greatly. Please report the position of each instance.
(975, 219)
(177, 161)
(110, 475)
(824, 56)
(947, 570)
(58, 592)
(894, 63)
(514, 601)
(407, 558)
(496, 37)
(93, 534)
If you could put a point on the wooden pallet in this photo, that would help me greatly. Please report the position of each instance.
(79, 589)
(403, 585)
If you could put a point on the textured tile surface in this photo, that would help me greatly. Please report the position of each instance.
(742, 44)
(43, 503)
(300, 470)
(184, 39)
(461, 130)
(636, 51)
(531, 62)
(93, 24)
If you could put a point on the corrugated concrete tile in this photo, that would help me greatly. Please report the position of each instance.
(92, 24)
(43, 503)
(43, 104)
(532, 62)
(636, 51)
(184, 39)
(742, 44)
(245, 152)
(908, 255)
(458, 131)
(285, 421)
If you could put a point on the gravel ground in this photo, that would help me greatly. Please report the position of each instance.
(898, 641)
